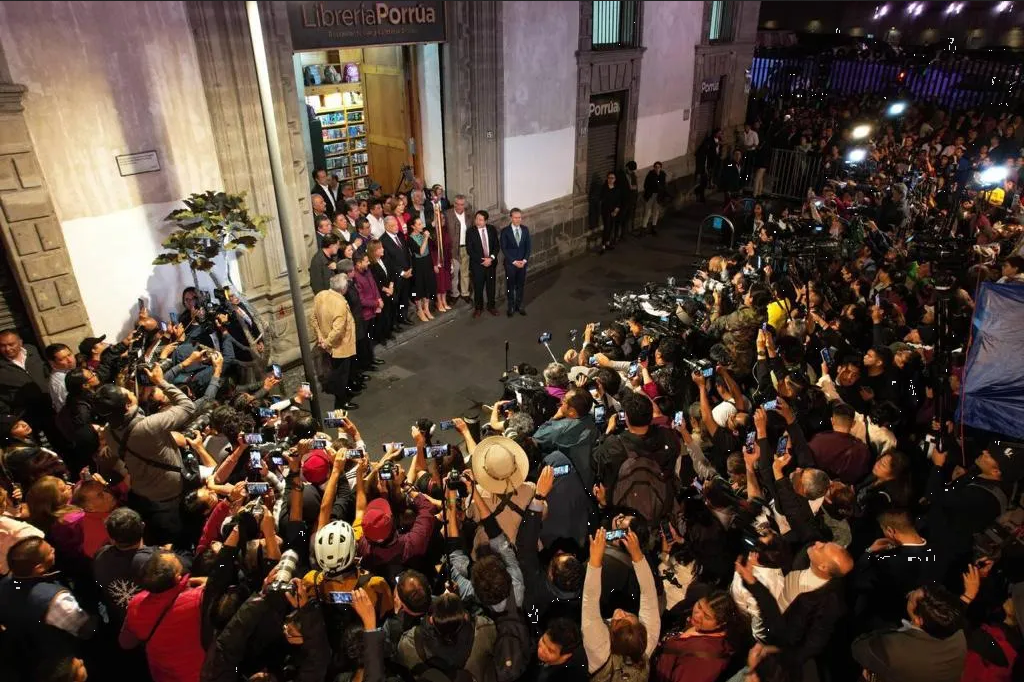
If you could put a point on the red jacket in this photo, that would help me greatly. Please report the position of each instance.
(174, 652)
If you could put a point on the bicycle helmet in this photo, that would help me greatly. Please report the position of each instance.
(335, 547)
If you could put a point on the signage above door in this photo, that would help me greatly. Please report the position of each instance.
(343, 23)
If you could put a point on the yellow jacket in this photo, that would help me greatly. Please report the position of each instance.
(333, 323)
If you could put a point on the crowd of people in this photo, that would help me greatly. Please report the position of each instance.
(764, 483)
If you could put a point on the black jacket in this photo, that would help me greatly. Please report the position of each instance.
(804, 630)
(542, 601)
(475, 247)
(396, 258)
(25, 389)
(659, 443)
(610, 198)
(654, 184)
(320, 272)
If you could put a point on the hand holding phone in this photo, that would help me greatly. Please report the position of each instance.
(276, 369)
(617, 534)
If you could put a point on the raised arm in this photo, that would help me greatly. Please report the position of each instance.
(331, 489)
(650, 614)
(596, 639)
(705, 404)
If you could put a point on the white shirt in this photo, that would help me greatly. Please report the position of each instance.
(461, 217)
(58, 391)
(376, 226)
(750, 138)
(722, 412)
(770, 578)
(483, 241)
(330, 196)
(21, 359)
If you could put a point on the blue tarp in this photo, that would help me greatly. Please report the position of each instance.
(993, 390)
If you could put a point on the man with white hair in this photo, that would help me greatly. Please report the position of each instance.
(336, 334)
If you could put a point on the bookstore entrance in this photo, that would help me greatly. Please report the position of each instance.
(373, 111)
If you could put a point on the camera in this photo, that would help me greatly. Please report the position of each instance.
(285, 571)
(386, 472)
(454, 481)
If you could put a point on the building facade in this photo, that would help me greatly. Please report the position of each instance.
(514, 104)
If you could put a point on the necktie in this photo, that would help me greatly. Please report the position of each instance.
(483, 241)
(397, 243)
(515, 231)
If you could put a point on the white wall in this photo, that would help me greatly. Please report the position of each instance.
(540, 42)
(431, 137)
(671, 33)
(121, 77)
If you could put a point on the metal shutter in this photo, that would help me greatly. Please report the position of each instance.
(602, 150)
(12, 307)
(704, 120)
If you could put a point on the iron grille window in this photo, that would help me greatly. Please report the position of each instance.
(720, 29)
(616, 24)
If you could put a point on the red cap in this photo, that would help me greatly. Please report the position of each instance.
(377, 522)
(317, 467)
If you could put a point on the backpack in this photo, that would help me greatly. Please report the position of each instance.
(643, 487)
(980, 669)
(513, 647)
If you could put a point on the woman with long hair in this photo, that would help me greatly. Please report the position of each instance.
(424, 283)
(715, 632)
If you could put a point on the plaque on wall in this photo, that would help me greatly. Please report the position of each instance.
(711, 89)
(139, 162)
(344, 23)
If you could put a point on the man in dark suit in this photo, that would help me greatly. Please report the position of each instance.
(515, 245)
(323, 264)
(482, 248)
(399, 265)
(321, 186)
(24, 382)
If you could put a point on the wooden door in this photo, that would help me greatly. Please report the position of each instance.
(387, 114)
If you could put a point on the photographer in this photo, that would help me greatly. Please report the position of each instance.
(141, 447)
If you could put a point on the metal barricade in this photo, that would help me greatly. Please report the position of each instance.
(791, 172)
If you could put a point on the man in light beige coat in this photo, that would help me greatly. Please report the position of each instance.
(336, 335)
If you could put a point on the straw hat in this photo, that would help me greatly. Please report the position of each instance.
(499, 465)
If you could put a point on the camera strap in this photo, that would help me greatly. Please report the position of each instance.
(123, 442)
(159, 620)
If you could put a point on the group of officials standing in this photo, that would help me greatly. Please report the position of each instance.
(383, 259)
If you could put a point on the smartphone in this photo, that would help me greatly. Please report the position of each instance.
(253, 439)
(698, 485)
(751, 439)
(265, 413)
(826, 356)
(336, 414)
(764, 326)
(621, 417)
(633, 369)
(339, 597)
(276, 370)
(666, 529)
(544, 337)
(617, 534)
(386, 474)
(708, 372)
(256, 489)
(446, 425)
(174, 317)
(599, 414)
(878, 300)
(592, 361)
(409, 451)
(561, 470)
(163, 327)
(780, 448)
(143, 378)
(391, 446)
(509, 406)
(771, 404)
(643, 355)
(305, 390)
(255, 461)
(677, 420)
(435, 451)
(278, 460)
(332, 423)
(354, 454)
(319, 444)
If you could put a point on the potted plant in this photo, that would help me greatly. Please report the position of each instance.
(211, 225)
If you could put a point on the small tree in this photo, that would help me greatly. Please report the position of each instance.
(214, 223)
(211, 225)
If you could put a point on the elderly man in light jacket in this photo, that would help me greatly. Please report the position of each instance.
(336, 335)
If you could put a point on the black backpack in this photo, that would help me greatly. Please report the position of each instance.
(643, 487)
(513, 646)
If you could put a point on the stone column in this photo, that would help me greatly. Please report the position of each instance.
(32, 236)
(221, 33)
(474, 109)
